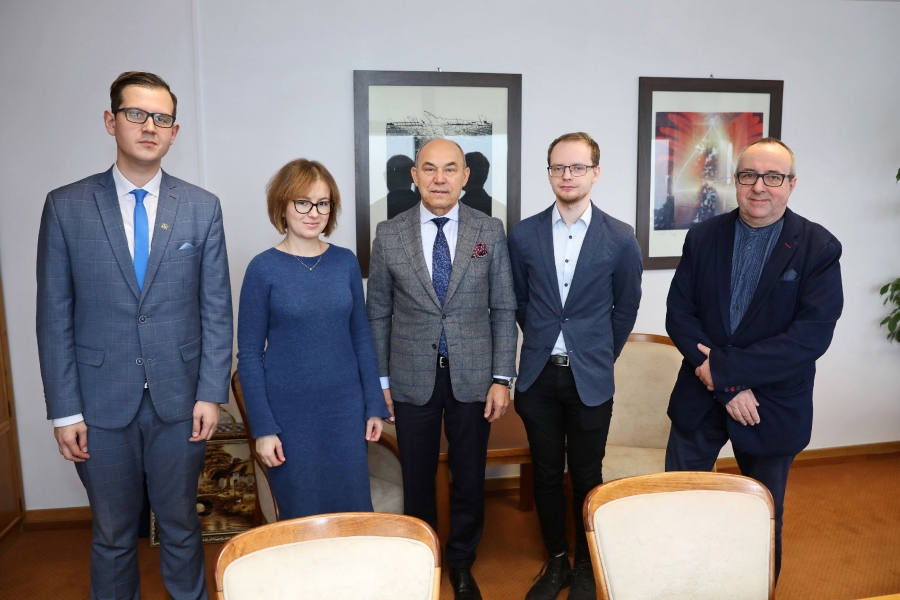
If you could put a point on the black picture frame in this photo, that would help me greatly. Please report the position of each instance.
(658, 227)
(363, 81)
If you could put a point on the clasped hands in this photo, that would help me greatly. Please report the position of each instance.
(741, 408)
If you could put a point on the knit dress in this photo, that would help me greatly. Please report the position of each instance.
(309, 374)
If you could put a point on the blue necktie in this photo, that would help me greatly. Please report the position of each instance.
(141, 237)
(440, 272)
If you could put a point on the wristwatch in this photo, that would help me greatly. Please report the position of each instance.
(507, 383)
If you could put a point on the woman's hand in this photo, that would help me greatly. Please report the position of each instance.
(269, 449)
(373, 429)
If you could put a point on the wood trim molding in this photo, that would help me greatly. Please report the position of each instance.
(824, 456)
(76, 517)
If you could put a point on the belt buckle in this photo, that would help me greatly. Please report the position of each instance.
(561, 357)
(443, 362)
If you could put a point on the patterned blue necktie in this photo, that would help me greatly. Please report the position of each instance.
(141, 237)
(440, 272)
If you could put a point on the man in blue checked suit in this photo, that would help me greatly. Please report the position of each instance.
(134, 328)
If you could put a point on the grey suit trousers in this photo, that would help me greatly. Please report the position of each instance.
(114, 480)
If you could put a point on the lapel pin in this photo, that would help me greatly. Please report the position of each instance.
(165, 226)
(788, 245)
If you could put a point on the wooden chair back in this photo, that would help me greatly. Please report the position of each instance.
(337, 556)
(682, 535)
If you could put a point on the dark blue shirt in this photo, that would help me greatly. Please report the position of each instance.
(752, 248)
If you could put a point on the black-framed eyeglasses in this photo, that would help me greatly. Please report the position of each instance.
(769, 179)
(575, 170)
(323, 207)
(139, 117)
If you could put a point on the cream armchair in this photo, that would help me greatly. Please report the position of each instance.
(645, 375)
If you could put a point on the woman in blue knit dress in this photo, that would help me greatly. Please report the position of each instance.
(305, 353)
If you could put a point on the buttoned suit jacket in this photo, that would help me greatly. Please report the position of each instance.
(788, 325)
(478, 315)
(601, 306)
(100, 336)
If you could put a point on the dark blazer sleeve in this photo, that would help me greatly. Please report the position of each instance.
(56, 318)
(380, 302)
(216, 317)
(626, 282)
(807, 338)
(520, 275)
(682, 319)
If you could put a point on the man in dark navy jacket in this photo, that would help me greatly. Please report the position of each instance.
(577, 275)
(753, 304)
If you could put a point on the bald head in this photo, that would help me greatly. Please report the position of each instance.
(443, 142)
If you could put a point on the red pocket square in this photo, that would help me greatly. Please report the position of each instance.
(480, 250)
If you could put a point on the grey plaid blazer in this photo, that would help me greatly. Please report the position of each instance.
(99, 336)
(478, 314)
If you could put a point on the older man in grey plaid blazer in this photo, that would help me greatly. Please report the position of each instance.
(134, 329)
(442, 310)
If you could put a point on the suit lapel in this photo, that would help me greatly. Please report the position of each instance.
(781, 254)
(165, 214)
(466, 238)
(111, 213)
(588, 249)
(545, 243)
(724, 258)
(411, 239)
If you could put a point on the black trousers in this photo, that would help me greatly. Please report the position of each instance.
(697, 451)
(558, 424)
(419, 438)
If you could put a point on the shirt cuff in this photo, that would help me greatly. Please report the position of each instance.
(64, 421)
(502, 377)
(385, 383)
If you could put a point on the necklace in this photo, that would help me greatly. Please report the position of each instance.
(303, 263)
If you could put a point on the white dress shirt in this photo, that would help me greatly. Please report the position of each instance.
(126, 204)
(567, 243)
(429, 234)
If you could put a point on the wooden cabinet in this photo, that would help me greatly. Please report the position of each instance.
(11, 500)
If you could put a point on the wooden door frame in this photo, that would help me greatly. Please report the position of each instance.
(6, 395)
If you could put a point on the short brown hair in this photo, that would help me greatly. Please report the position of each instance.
(292, 181)
(140, 79)
(770, 141)
(578, 136)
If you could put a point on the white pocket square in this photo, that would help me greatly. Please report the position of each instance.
(185, 246)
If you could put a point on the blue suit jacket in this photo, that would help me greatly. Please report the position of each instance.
(601, 306)
(99, 336)
(788, 325)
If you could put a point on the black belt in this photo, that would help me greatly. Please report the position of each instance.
(559, 360)
(443, 362)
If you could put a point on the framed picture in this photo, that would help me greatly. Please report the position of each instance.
(690, 134)
(397, 112)
(226, 495)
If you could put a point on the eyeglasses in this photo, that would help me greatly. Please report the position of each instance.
(769, 179)
(305, 206)
(139, 117)
(575, 170)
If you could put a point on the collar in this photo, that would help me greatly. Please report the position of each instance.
(125, 187)
(426, 215)
(585, 216)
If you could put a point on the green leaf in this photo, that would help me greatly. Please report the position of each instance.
(884, 289)
(892, 324)
(898, 174)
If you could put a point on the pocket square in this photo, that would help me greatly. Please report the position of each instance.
(480, 250)
(790, 276)
(185, 246)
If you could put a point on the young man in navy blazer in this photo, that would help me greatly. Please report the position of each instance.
(752, 306)
(577, 275)
(134, 333)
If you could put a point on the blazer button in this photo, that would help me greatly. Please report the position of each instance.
(443, 316)
(434, 346)
(143, 319)
(139, 361)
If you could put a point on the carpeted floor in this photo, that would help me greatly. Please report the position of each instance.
(841, 542)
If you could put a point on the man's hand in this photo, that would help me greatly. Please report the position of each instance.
(742, 408)
(269, 449)
(703, 371)
(206, 417)
(373, 429)
(390, 404)
(72, 440)
(496, 402)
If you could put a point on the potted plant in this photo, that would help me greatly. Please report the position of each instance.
(892, 292)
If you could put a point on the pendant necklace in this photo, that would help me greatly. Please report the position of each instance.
(303, 263)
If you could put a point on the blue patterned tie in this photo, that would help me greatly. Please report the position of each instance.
(141, 237)
(440, 272)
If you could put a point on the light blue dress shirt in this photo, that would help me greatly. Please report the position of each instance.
(567, 242)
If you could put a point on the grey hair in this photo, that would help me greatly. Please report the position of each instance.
(776, 142)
